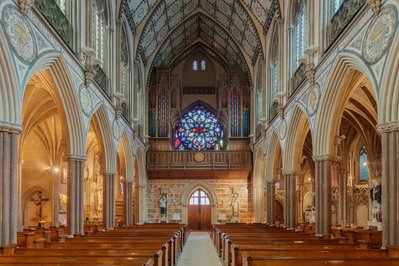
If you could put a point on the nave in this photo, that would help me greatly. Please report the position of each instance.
(198, 251)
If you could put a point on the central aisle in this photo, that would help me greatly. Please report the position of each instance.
(199, 250)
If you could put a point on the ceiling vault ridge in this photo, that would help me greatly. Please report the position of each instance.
(202, 20)
(164, 13)
(196, 46)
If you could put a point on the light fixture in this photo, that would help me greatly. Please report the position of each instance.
(56, 169)
(365, 163)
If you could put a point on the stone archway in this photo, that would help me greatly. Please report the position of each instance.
(189, 189)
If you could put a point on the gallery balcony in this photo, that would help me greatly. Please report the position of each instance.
(199, 164)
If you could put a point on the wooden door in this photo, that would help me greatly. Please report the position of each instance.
(199, 211)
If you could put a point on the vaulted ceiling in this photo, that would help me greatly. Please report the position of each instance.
(231, 31)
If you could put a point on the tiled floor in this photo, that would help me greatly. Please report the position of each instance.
(199, 251)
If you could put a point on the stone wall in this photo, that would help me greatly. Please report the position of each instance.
(222, 188)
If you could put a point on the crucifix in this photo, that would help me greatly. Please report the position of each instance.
(39, 201)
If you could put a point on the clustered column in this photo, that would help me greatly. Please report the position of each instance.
(390, 185)
(271, 202)
(342, 182)
(290, 200)
(323, 167)
(8, 186)
(75, 196)
(129, 203)
(109, 199)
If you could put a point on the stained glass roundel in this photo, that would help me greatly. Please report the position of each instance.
(198, 130)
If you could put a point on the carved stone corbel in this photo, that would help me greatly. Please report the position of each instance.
(89, 56)
(375, 6)
(310, 73)
(25, 6)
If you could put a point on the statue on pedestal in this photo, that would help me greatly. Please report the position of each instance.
(375, 196)
(234, 206)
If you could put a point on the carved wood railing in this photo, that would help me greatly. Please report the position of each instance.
(208, 160)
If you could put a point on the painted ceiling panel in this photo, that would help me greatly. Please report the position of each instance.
(188, 32)
(229, 13)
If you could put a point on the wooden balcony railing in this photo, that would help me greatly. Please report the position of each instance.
(199, 160)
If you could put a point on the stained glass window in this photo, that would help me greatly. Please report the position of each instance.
(300, 32)
(195, 65)
(364, 171)
(198, 130)
(203, 65)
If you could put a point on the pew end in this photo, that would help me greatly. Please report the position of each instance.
(393, 251)
(8, 250)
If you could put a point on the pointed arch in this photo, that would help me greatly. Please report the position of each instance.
(67, 97)
(296, 135)
(189, 189)
(107, 139)
(333, 99)
(273, 147)
(389, 96)
(10, 107)
(129, 160)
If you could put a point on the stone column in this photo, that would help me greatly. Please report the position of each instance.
(9, 196)
(300, 182)
(290, 200)
(75, 196)
(142, 204)
(390, 186)
(342, 183)
(109, 201)
(323, 169)
(271, 202)
(129, 203)
(258, 198)
(55, 203)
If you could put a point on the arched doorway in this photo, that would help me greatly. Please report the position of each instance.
(199, 211)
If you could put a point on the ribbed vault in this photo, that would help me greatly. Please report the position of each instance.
(231, 29)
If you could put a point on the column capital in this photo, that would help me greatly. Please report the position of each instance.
(289, 172)
(325, 157)
(388, 127)
(12, 128)
(72, 157)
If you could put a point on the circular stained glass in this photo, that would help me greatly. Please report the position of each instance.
(198, 130)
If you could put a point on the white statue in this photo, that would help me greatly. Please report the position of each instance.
(163, 201)
(234, 204)
(375, 196)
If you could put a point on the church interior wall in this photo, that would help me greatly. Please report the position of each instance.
(347, 96)
(222, 187)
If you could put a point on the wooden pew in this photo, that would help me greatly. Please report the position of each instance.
(155, 245)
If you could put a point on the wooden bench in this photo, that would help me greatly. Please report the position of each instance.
(155, 245)
(271, 245)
